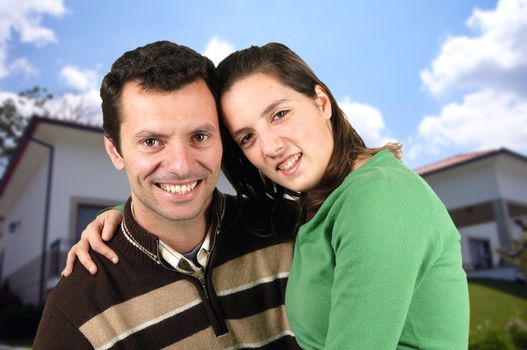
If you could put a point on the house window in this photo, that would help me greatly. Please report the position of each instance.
(480, 253)
(59, 248)
(85, 214)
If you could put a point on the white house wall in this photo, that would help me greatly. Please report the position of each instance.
(82, 170)
(473, 183)
(512, 179)
(25, 244)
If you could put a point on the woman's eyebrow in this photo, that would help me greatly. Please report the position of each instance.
(272, 106)
(265, 112)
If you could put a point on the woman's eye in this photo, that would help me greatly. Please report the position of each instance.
(279, 115)
(246, 139)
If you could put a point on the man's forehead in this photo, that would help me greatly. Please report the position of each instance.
(193, 100)
(140, 86)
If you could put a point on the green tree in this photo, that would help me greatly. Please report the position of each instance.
(13, 122)
(516, 252)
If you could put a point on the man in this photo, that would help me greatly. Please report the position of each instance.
(190, 276)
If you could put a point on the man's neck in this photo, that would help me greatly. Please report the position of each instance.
(181, 235)
(184, 238)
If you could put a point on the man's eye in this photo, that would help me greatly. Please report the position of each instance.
(150, 142)
(201, 137)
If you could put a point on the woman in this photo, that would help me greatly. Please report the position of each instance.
(377, 263)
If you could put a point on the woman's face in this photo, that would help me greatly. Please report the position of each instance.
(285, 134)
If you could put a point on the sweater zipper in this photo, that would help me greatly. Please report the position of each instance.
(200, 276)
(218, 323)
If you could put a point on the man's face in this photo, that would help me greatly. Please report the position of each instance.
(171, 151)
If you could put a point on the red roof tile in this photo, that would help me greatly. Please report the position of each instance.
(453, 161)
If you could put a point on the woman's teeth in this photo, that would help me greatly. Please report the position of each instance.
(290, 163)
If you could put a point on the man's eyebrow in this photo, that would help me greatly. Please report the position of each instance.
(148, 133)
(206, 127)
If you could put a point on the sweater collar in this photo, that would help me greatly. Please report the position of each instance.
(148, 243)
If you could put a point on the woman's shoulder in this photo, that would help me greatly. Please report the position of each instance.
(380, 175)
(382, 185)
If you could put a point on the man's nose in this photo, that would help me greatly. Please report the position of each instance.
(178, 158)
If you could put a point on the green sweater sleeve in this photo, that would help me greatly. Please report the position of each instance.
(119, 207)
(381, 251)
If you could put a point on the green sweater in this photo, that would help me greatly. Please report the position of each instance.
(379, 267)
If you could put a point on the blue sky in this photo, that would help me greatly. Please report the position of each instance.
(443, 77)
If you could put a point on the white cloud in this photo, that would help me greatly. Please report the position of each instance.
(495, 58)
(84, 107)
(25, 17)
(412, 151)
(486, 119)
(491, 69)
(217, 50)
(78, 79)
(368, 122)
(23, 65)
(3, 56)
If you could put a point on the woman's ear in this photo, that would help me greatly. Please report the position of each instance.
(323, 101)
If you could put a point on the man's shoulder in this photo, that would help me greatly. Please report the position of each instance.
(81, 294)
(79, 282)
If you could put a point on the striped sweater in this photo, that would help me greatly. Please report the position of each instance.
(142, 304)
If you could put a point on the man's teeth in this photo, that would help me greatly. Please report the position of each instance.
(179, 189)
(290, 163)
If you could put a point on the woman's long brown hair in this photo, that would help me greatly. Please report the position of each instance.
(281, 63)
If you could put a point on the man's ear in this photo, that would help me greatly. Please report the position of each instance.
(114, 155)
(323, 101)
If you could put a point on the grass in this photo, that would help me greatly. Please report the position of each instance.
(494, 303)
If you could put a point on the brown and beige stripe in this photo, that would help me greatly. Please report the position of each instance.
(259, 327)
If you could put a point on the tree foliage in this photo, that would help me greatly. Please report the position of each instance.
(516, 251)
(13, 120)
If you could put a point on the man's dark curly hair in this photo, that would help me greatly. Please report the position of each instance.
(161, 65)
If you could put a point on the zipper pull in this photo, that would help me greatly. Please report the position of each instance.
(200, 275)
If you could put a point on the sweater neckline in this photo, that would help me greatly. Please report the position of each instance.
(146, 243)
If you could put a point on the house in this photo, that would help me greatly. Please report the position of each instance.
(54, 185)
(60, 177)
(485, 193)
